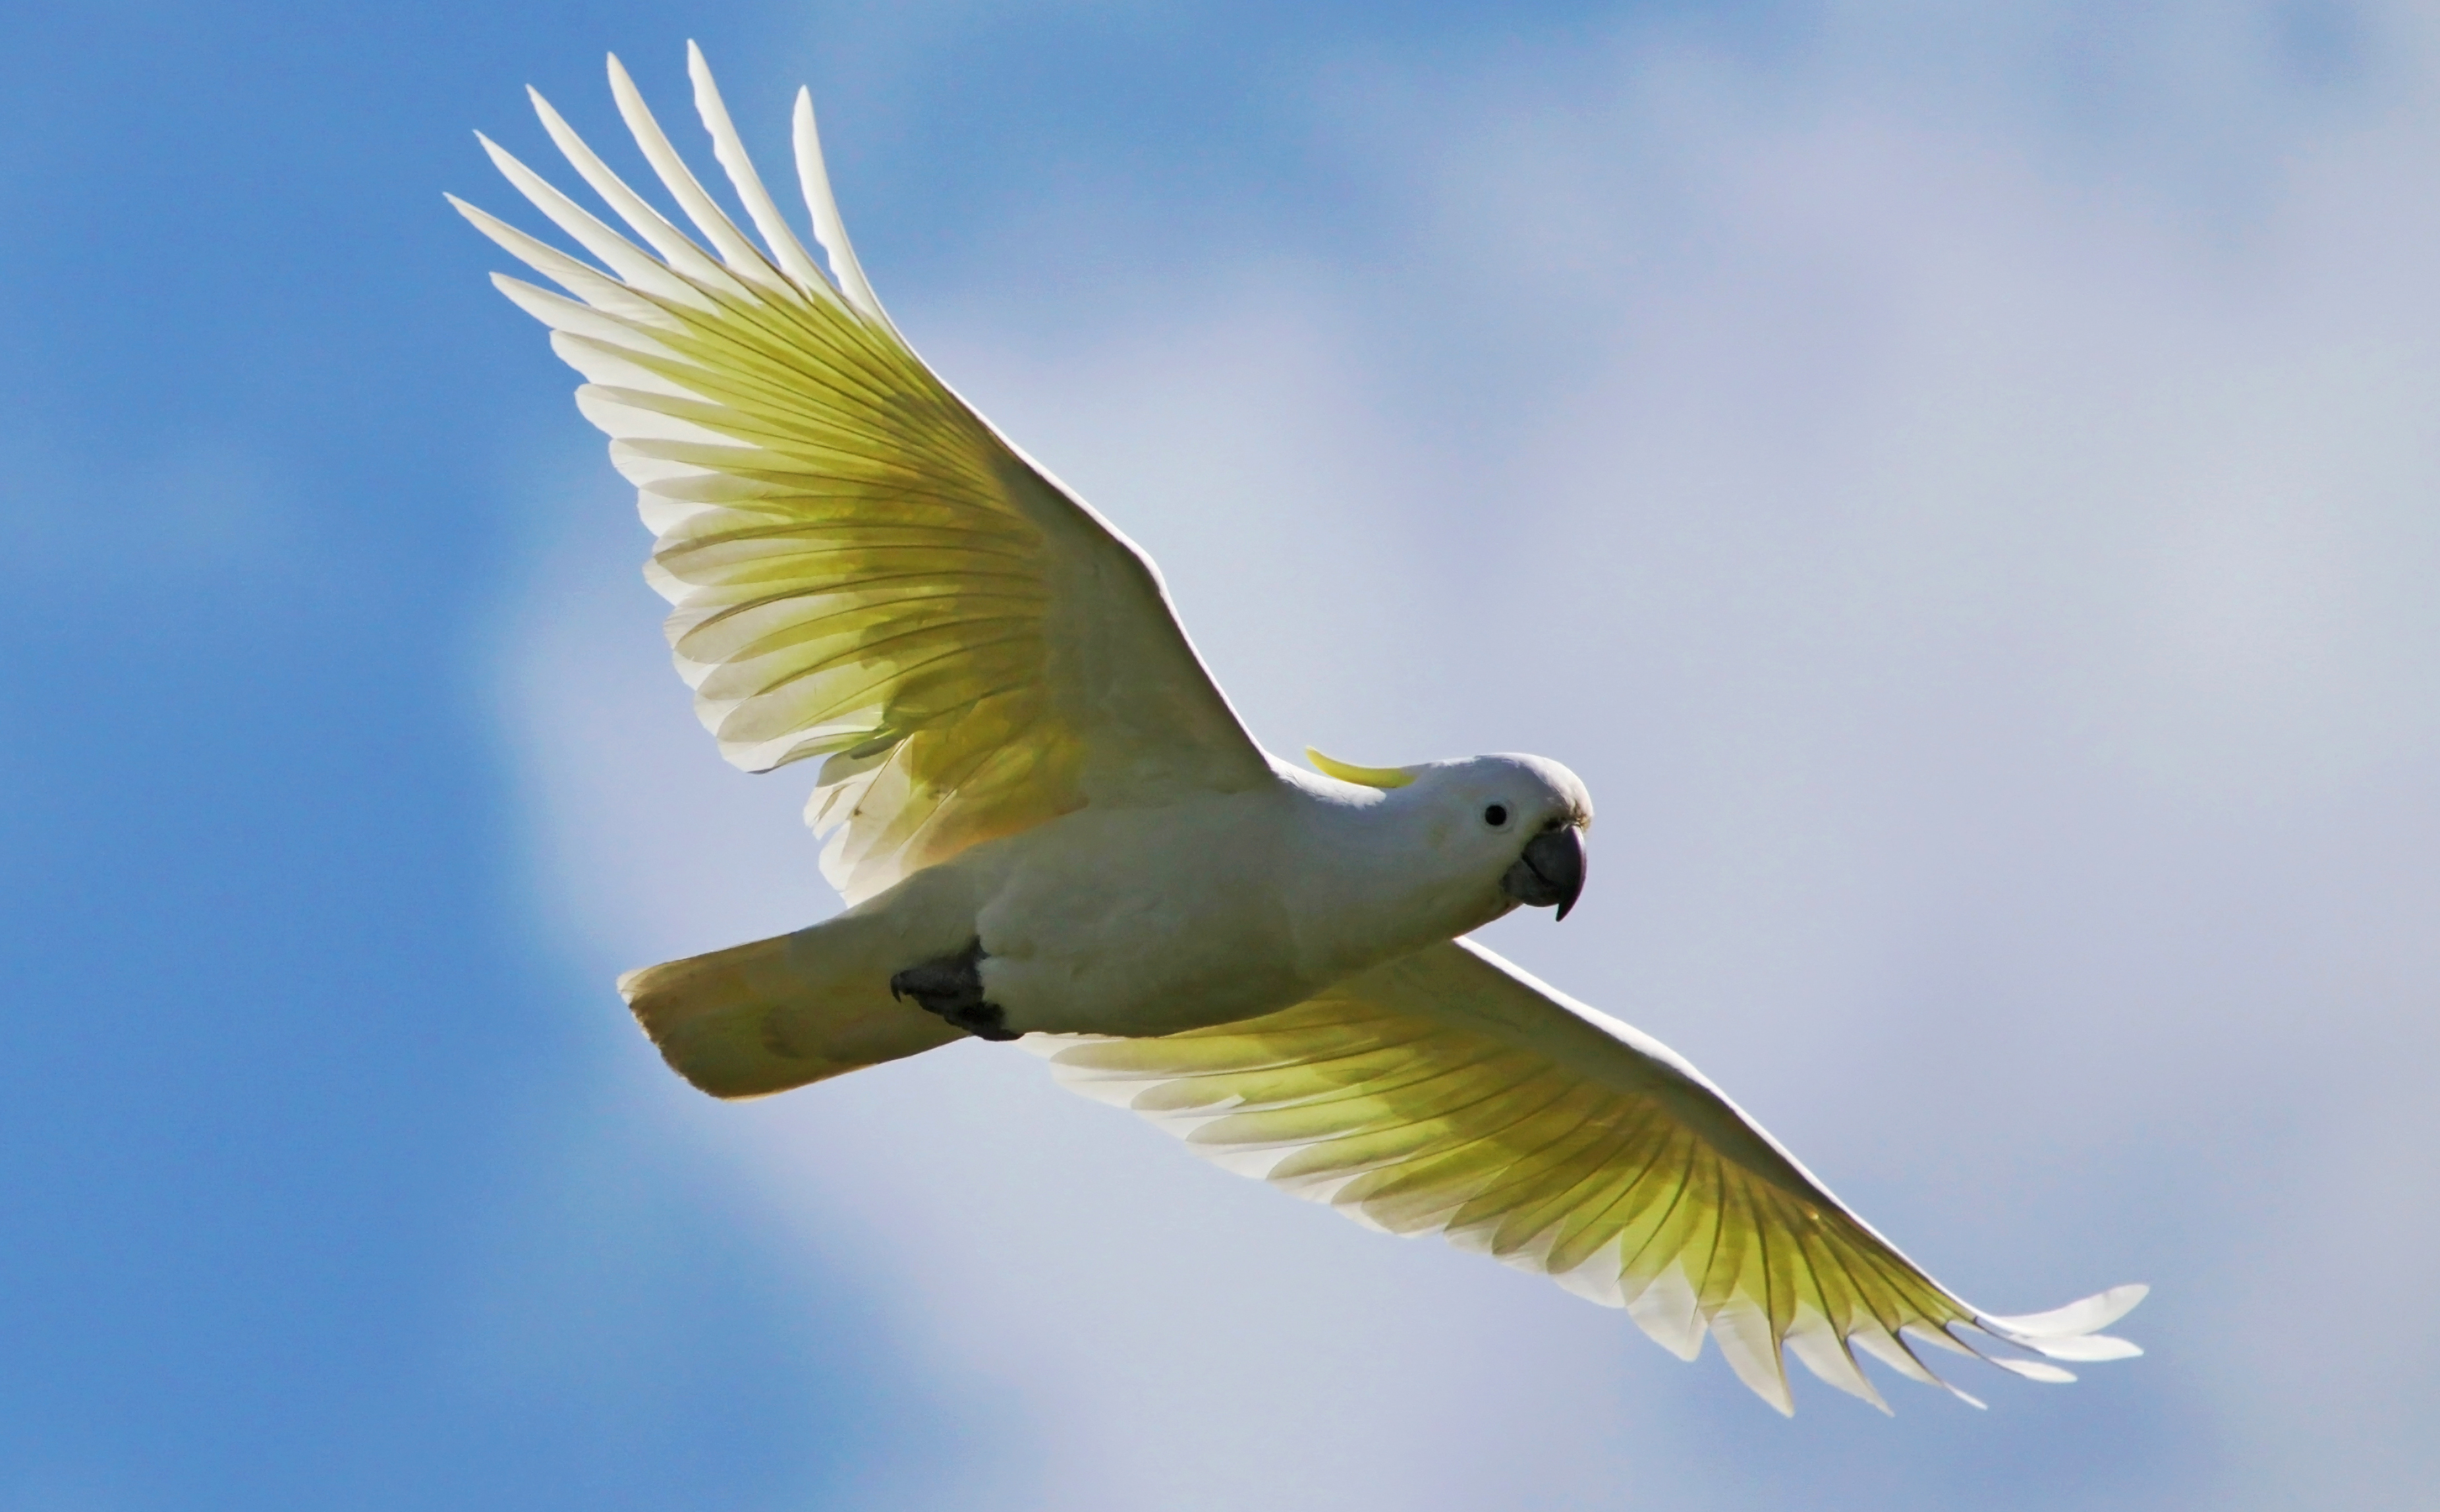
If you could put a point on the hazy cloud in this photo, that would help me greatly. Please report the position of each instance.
(1962, 494)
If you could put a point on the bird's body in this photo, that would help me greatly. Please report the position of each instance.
(1049, 825)
(1090, 924)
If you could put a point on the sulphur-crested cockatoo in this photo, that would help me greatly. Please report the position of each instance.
(1048, 824)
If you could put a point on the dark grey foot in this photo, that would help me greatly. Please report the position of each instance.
(952, 986)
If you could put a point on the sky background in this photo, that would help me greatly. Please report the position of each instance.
(1961, 484)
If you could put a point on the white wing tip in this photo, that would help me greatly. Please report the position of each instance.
(2090, 1348)
(2083, 1316)
(821, 203)
(2073, 1332)
(2034, 1370)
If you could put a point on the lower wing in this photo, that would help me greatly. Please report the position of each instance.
(1448, 1092)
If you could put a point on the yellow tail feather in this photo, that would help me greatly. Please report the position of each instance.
(779, 1013)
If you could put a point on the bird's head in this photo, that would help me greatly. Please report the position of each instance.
(1518, 818)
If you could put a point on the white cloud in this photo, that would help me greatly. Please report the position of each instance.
(1980, 560)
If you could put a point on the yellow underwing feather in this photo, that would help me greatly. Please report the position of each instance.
(860, 568)
(1449, 1092)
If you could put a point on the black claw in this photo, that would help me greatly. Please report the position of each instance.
(952, 986)
(987, 1021)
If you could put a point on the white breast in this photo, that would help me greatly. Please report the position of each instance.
(1151, 920)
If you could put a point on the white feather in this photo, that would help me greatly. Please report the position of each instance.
(1813, 1340)
(1667, 1309)
(617, 253)
(2083, 1316)
(675, 246)
(730, 152)
(814, 179)
(743, 256)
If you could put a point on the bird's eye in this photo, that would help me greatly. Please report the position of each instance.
(1496, 816)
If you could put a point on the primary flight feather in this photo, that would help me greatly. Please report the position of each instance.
(1049, 825)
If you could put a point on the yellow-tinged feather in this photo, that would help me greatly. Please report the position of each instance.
(1362, 777)
(1449, 1092)
(860, 568)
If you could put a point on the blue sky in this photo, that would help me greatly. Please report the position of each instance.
(1975, 476)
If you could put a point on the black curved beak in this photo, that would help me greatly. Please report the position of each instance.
(1550, 871)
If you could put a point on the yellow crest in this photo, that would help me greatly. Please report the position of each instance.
(1364, 776)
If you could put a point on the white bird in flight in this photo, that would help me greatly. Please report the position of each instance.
(1048, 824)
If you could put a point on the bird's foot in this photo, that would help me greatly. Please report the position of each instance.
(952, 986)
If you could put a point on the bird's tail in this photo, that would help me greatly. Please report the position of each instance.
(778, 1013)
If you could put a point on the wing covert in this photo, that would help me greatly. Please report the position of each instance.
(860, 568)
(1449, 1092)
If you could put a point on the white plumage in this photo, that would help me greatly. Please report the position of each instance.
(1048, 822)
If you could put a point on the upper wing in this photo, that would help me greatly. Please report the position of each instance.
(862, 568)
(1449, 1090)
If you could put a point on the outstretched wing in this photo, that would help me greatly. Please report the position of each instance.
(1449, 1092)
(862, 569)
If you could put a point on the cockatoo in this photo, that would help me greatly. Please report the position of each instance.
(1048, 826)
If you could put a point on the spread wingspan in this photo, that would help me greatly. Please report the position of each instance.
(1448, 1092)
(861, 568)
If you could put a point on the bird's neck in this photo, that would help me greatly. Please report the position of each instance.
(1373, 885)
